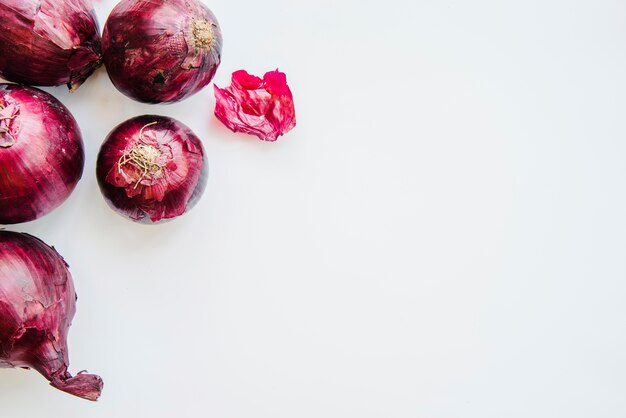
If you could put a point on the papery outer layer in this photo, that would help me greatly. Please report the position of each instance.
(41, 154)
(49, 42)
(261, 107)
(37, 304)
(152, 199)
(151, 48)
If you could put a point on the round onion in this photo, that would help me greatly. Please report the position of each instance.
(159, 51)
(37, 304)
(151, 169)
(41, 153)
(49, 42)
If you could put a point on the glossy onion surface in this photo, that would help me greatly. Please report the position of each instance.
(49, 42)
(151, 169)
(160, 51)
(37, 304)
(41, 153)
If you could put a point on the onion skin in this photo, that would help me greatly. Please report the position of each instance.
(161, 51)
(151, 169)
(262, 107)
(49, 42)
(41, 153)
(37, 304)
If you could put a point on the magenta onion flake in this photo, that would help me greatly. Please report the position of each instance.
(161, 51)
(256, 106)
(37, 304)
(49, 42)
(41, 153)
(151, 169)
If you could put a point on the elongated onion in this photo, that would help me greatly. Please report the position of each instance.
(37, 304)
(49, 42)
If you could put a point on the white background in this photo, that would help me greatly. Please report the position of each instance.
(443, 234)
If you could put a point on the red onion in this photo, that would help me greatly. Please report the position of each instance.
(37, 304)
(151, 168)
(49, 42)
(41, 153)
(158, 51)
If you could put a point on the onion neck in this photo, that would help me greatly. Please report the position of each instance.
(53, 368)
(83, 63)
(84, 385)
(40, 350)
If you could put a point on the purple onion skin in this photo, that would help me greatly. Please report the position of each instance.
(161, 51)
(41, 153)
(49, 42)
(37, 304)
(151, 169)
